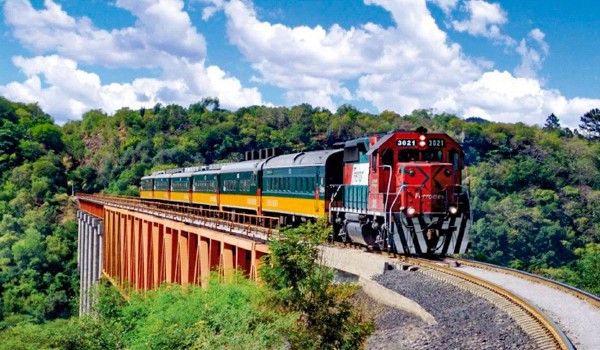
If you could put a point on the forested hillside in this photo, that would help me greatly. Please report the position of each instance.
(38, 231)
(536, 191)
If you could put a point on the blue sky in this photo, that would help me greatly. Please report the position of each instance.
(504, 61)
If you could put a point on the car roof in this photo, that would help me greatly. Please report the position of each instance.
(313, 158)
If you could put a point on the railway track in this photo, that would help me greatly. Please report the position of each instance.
(255, 227)
(540, 328)
(578, 293)
(545, 333)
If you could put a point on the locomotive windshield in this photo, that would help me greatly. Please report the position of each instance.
(411, 155)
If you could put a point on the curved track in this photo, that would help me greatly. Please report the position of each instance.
(545, 332)
(578, 293)
(576, 311)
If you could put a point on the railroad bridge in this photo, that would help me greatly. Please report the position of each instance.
(138, 244)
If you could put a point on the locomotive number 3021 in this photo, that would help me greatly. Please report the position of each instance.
(406, 143)
(435, 143)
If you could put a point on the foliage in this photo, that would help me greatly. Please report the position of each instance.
(327, 318)
(233, 315)
(535, 191)
(38, 231)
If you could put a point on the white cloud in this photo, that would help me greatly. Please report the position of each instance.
(500, 96)
(66, 92)
(163, 37)
(312, 64)
(537, 35)
(531, 58)
(446, 5)
(162, 30)
(409, 66)
(485, 20)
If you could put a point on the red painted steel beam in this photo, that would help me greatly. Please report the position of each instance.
(92, 208)
(142, 251)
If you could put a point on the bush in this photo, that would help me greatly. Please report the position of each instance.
(327, 318)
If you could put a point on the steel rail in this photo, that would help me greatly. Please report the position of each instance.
(578, 293)
(533, 321)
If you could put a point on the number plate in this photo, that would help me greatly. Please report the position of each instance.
(406, 143)
(435, 143)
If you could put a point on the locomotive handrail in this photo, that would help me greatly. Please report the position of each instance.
(387, 195)
(332, 198)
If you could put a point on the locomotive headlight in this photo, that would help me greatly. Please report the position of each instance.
(453, 210)
(410, 211)
(447, 172)
(422, 137)
(422, 143)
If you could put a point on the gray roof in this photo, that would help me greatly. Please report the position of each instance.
(207, 172)
(178, 175)
(300, 159)
(251, 165)
(162, 176)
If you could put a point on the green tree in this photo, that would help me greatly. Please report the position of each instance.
(552, 123)
(48, 135)
(590, 124)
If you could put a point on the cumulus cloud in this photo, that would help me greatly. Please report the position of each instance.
(485, 19)
(163, 37)
(313, 64)
(500, 96)
(66, 92)
(162, 30)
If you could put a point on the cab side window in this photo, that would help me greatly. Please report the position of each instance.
(454, 159)
(387, 157)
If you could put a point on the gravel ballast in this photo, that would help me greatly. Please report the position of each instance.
(464, 321)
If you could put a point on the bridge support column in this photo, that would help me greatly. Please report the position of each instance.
(90, 250)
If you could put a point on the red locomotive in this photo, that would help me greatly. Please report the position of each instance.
(402, 191)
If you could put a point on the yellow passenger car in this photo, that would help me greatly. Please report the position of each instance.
(147, 187)
(162, 185)
(181, 187)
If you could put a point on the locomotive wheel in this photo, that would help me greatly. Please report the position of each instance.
(380, 240)
(343, 236)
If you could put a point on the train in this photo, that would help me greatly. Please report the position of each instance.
(401, 191)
